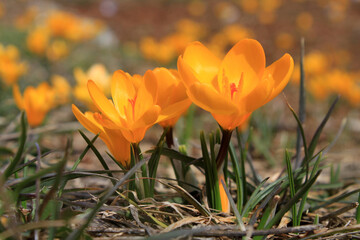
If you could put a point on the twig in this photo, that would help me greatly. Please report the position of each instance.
(136, 231)
(274, 231)
(350, 229)
(232, 232)
(340, 211)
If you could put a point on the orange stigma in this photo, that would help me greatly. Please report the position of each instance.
(234, 88)
(132, 102)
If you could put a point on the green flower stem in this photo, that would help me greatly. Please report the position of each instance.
(224, 146)
(169, 137)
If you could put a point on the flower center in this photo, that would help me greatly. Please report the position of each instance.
(234, 88)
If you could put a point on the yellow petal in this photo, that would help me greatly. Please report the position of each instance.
(148, 118)
(206, 97)
(174, 110)
(167, 81)
(122, 89)
(260, 95)
(119, 146)
(202, 61)
(188, 76)
(80, 76)
(147, 94)
(225, 205)
(87, 122)
(281, 71)
(230, 122)
(102, 103)
(244, 60)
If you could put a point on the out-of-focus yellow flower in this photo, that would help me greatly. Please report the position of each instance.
(37, 40)
(113, 138)
(133, 107)
(315, 63)
(229, 36)
(64, 24)
(62, 89)
(97, 73)
(169, 82)
(233, 88)
(190, 28)
(284, 41)
(319, 88)
(343, 83)
(36, 102)
(148, 47)
(304, 21)
(235, 33)
(249, 6)
(10, 66)
(69, 26)
(270, 5)
(25, 19)
(57, 49)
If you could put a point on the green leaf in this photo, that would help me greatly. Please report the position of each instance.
(292, 201)
(9, 170)
(292, 186)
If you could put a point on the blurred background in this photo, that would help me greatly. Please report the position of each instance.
(64, 43)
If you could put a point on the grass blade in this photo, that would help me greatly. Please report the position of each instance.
(292, 186)
(318, 131)
(96, 152)
(233, 206)
(302, 99)
(238, 179)
(9, 170)
(292, 201)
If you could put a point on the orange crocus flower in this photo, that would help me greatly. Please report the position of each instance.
(113, 138)
(232, 88)
(36, 102)
(133, 108)
(172, 96)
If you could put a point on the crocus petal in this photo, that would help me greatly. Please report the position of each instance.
(147, 94)
(202, 61)
(85, 121)
(173, 110)
(225, 205)
(167, 80)
(206, 97)
(188, 76)
(122, 89)
(148, 118)
(281, 71)
(260, 95)
(230, 122)
(246, 61)
(17, 96)
(119, 146)
(102, 103)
